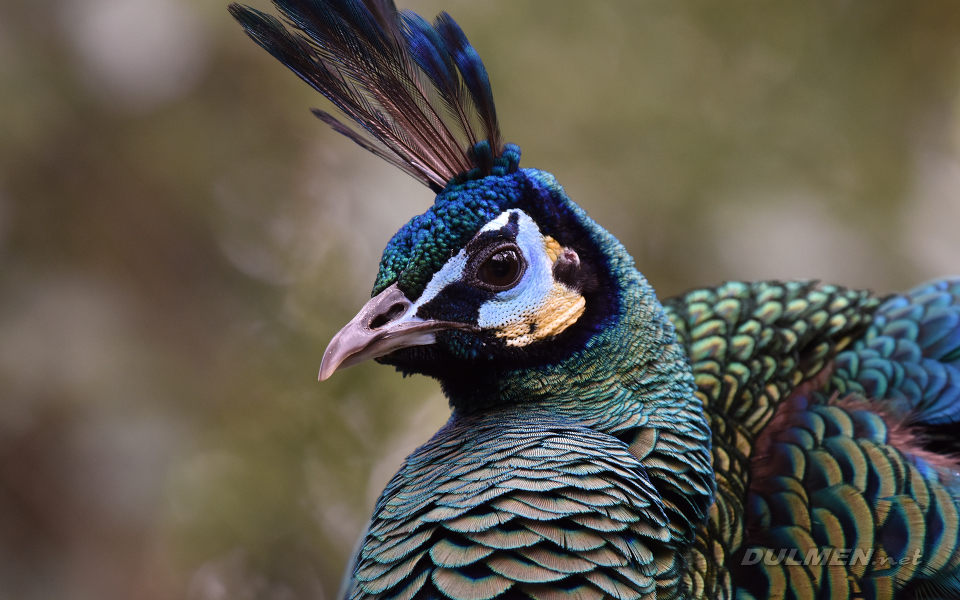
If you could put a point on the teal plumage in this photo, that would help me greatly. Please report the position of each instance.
(853, 464)
(751, 346)
(530, 501)
(602, 443)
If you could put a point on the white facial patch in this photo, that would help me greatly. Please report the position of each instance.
(538, 306)
(451, 271)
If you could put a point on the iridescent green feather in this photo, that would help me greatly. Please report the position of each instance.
(861, 494)
(751, 345)
(602, 530)
(850, 465)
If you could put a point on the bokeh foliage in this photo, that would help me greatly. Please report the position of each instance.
(179, 239)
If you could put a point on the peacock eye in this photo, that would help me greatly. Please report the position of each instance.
(502, 270)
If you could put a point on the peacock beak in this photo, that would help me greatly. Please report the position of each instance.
(386, 323)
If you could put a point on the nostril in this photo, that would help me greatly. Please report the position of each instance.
(391, 314)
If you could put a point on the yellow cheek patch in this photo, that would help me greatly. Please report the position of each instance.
(561, 309)
(552, 247)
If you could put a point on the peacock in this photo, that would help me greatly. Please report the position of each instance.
(751, 440)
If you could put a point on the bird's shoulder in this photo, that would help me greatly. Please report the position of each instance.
(859, 466)
(524, 501)
(751, 344)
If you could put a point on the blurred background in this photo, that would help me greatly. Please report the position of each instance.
(180, 238)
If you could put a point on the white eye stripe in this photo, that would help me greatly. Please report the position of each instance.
(502, 220)
(452, 270)
(537, 307)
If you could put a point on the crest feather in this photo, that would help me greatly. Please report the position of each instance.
(418, 91)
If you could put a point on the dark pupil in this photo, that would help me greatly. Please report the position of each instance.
(500, 269)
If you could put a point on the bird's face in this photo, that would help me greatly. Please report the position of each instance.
(499, 274)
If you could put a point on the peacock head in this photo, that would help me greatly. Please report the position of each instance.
(504, 271)
(501, 273)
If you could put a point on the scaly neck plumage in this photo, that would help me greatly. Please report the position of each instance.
(630, 372)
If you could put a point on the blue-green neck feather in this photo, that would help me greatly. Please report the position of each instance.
(624, 335)
(619, 369)
(632, 348)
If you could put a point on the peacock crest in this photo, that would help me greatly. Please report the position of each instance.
(418, 91)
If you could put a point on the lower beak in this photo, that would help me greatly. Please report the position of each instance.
(386, 323)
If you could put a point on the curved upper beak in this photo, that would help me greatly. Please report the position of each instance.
(386, 323)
